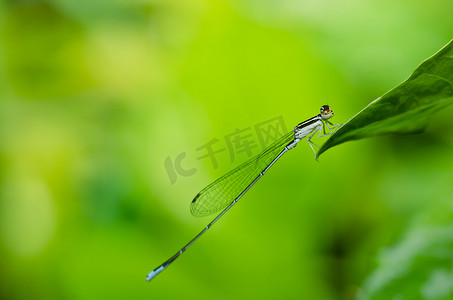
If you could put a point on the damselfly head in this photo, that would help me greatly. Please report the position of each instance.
(326, 112)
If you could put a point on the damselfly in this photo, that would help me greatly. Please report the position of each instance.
(223, 193)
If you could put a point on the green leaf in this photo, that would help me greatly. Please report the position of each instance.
(418, 266)
(405, 108)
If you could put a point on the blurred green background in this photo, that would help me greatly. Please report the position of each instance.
(99, 98)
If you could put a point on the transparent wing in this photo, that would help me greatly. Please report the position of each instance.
(222, 192)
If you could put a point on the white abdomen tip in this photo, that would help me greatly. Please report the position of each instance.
(154, 273)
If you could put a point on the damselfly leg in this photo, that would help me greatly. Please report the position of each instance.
(333, 125)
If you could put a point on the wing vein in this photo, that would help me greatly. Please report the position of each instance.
(222, 192)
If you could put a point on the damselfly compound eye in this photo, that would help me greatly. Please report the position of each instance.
(325, 109)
